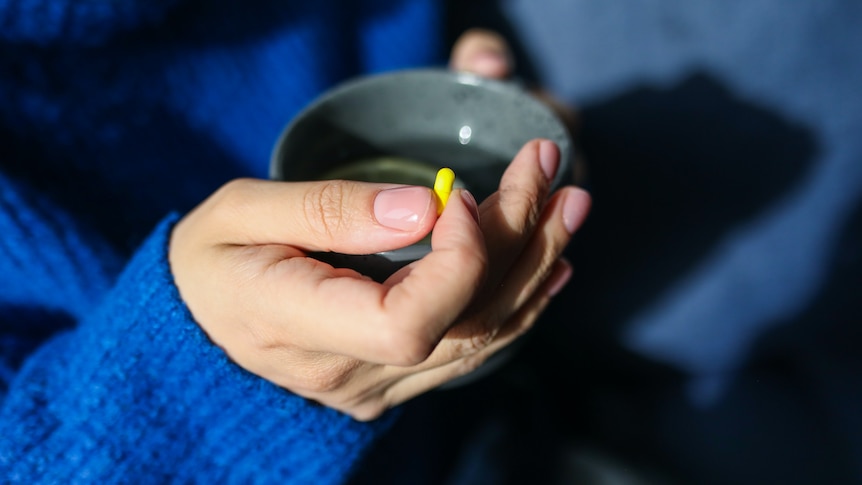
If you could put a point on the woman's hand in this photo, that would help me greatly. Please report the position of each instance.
(332, 335)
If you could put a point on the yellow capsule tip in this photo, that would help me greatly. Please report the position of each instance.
(443, 187)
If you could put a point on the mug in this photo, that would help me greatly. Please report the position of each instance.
(401, 127)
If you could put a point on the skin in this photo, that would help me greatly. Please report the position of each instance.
(239, 261)
(486, 53)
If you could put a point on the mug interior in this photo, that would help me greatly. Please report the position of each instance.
(434, 117)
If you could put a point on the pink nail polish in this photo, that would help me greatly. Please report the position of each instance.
(490, 63)
(402, 208)
(573, 211)
(549, 158)
(471, 204)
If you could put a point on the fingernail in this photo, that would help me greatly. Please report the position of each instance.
(490, 63)
(561, 275)
(471, 204)
(549, 158)
(573, 211)
(402, 208)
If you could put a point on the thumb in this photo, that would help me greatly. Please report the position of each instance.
(331, 215)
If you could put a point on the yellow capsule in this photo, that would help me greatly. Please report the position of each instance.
(443, 187)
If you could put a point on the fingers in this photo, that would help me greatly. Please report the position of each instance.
(565, 213)
(535, 274)
(482, 52)
(511, 213)
(524, 240)
(255, 232)
(397, 324)
(365, 391)
(410, 383)
(333, 215)
(538, 271)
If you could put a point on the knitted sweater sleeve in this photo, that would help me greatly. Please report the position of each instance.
(135, 392)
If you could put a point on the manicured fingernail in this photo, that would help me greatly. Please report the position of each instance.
(402, 208)
(549, 158)
(471, 204)
(561, 275)
(490, 63)
(574, 208)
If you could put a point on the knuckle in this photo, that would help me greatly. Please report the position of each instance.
(481, 340)
(235, 191)
(327, 378)
(233, 194)
(322, 382)
(526, 206)
(475, 342)
(324, 207)
(470, 261)
(404, 349)
(472, 256)
(232, 201)
(475, 334)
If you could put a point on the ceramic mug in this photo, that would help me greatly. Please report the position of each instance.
(401, 127)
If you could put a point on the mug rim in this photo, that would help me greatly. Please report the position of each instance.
(505, 87)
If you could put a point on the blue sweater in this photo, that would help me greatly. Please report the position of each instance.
(115, 118)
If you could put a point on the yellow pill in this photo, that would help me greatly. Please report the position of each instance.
(443, 187)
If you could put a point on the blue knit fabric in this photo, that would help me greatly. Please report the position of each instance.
(115, 118)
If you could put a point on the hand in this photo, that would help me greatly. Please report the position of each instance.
(334, 336)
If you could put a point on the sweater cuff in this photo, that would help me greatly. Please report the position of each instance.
(139, 389)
